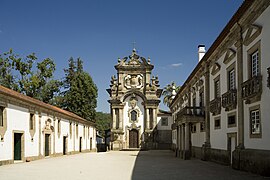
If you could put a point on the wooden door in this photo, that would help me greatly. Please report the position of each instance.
(80, 144)
(47, 144)
(17, 146)
(64, 145)
(133, 138)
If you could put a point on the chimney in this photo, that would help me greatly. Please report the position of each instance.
(201, 51)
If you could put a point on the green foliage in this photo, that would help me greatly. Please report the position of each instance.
(77, 93)
(103, 122)
(167, 93)
(80, 94)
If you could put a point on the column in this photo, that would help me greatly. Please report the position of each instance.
(147, 119)
(187, 141)
(154, 118)
(121, 123)
(114, 118)
(182, 140)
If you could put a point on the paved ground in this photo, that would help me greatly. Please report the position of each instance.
(120, 165)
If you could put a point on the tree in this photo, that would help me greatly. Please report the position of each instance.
(103, 122)
(167, 93)
(17, 73)
(80, 94)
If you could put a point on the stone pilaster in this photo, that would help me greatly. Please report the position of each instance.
(114, 118)
(206, 146)
(147, 119)
(121, 125)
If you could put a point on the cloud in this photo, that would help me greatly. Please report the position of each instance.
(176, 65)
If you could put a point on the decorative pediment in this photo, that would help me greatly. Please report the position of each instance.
(48, 127)
(215, 68)
(230, 54)
(252, 33)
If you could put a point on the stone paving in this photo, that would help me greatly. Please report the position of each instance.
(120, 165)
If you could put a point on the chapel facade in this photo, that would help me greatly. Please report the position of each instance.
(134, 102)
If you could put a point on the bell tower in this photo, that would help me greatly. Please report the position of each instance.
(134, 102)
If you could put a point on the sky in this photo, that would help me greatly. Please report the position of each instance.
(101, 31)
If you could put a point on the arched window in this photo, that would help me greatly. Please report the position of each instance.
(133, 115)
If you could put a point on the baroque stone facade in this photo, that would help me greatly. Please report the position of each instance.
(134, 102)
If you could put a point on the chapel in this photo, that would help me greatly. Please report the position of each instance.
(134, 102)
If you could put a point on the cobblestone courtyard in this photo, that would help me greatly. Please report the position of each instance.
(120, 165)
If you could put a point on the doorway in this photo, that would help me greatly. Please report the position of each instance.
(90, 143)
(64, 145)
(80, 145)
(47, 144)
(17, 146)
(133, 138)
(232, 142)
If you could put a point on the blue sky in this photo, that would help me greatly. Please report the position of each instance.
(100, 31)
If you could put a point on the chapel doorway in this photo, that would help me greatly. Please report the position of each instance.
(17, 146)
(133, 138)
(47, 144)
(64, 145)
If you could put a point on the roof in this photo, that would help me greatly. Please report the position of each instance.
(22, 97)
(163, 112)
(235, 18)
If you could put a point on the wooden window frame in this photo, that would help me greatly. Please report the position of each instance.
(235, 121)
(256, 47)
(255, 108)
(229, 70)
(217, 92)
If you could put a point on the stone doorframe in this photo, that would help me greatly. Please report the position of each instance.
(48, 129)
(229, 145)
(129, 128)
(22, 144)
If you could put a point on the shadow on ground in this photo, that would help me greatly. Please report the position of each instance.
(156, 164)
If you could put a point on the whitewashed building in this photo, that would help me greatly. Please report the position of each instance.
(222, 111)
(31, 129)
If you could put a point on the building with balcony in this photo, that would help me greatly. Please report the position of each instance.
(221, 113)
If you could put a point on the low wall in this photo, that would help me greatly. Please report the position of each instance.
(251, 160)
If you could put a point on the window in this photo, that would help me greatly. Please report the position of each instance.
(231, 78)
(77, 130)
(217, 123)
(231, 121)
(59, 126)
(133, 115)
(255, 63)
(202, 126)
(201, 103)
(31, 121)
(70, 129)
(217, 88)
(254, 60)
(193, 128)
(255, 122)
(164, 121)
(1, 116)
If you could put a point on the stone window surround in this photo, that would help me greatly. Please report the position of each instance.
(22, 144)
(138, 115)
(70, 128)
(3, 128)
(231, 67)
(201, 91)
(250, 51)
(77, 130)
(58, 127)
(32, 117)
(215, 119)
(217, 78)
(202, 126)
(229, 115)
(162, 121)
(193, 128)
(252, 108)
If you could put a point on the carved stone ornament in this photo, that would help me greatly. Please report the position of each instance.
(133, 101)
(48, 126)
(133, 81)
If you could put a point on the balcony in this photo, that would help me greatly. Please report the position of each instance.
(190, 114)
(229, 100)
(215, 106)
(252, 89)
